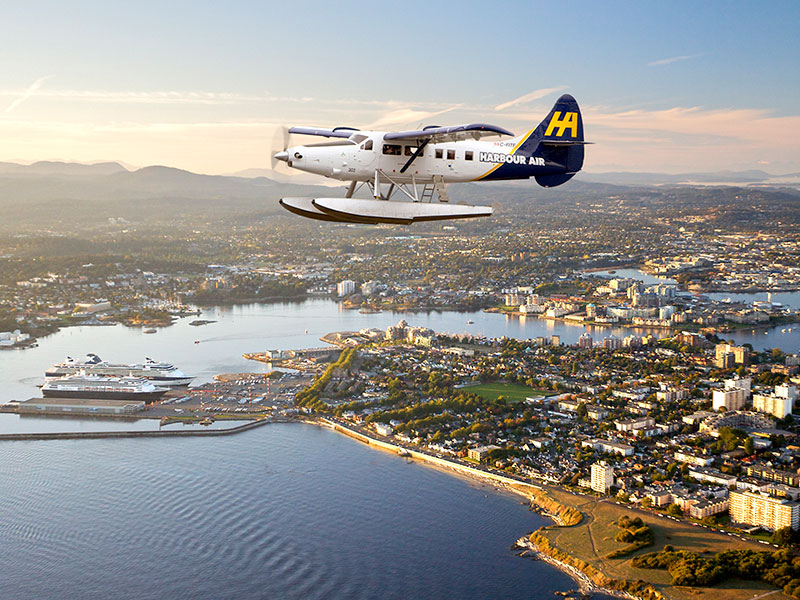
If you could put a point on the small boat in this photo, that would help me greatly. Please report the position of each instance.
(470, 322)
(197, 341)
(150, 330)
(306, 331)
(207, 421)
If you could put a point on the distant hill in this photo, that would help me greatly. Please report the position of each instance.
(752, 176)
(72, 196)
(61, 168)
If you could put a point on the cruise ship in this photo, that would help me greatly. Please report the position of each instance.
(163, 374)
(106, 388)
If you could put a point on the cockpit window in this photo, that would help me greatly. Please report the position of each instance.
(367, 145)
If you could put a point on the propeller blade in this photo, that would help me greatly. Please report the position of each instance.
(278, 143)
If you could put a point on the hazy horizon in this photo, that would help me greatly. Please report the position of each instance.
(660, 86)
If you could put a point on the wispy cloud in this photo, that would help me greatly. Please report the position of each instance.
(27, 93)
(672, 59)
(529, 97)
(407, 115)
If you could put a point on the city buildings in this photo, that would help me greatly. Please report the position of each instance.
(752, 508)
(345, 288)
(733, 396)
(779, 403)
(602, 477)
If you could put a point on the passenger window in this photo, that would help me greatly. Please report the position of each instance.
(392, 149)
(468, 155)
(368, 145)
(451, 155)
(439, 153)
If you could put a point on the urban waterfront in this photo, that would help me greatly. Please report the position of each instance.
(283, 511)
(256, 327)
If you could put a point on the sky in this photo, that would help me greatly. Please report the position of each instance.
(664, 87)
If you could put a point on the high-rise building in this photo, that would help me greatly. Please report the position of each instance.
(602, 477)
(779, 403)
(345, 288)
(764, 510)
(585, 341)
(733, 396)
(741, 354)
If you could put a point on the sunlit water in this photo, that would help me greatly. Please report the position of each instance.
(282, 511)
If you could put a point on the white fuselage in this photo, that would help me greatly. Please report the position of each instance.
(364, 153)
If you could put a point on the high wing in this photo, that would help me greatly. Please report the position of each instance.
(456, 133)
(337, 132)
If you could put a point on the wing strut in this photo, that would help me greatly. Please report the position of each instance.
(415, 155)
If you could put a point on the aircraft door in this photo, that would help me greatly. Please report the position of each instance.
(366, 153)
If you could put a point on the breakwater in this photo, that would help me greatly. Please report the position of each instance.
(95, 435)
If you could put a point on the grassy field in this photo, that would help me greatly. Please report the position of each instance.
(594, 538)
(512, 391)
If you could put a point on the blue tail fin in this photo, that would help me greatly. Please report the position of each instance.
(559, 140)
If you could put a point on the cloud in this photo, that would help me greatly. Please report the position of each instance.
(534, 95)
(672, 59)
(27, 93)
(407, 115)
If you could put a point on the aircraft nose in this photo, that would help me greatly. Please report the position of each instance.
(284, 156)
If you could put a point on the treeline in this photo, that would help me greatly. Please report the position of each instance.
(461, 403)
(251, 288)
(779, 568)
(310, 397)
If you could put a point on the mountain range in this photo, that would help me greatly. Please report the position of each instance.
(52, 193)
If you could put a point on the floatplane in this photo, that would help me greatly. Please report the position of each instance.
(406, 172)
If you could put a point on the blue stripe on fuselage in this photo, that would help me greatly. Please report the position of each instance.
(521, 171)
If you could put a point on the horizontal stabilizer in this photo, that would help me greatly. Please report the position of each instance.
(404, 213)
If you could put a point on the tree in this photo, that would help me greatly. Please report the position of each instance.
(674, 510)
(749, 446)
(785, 536)
(582, 411)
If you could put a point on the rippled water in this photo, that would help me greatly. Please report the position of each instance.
(283, 511)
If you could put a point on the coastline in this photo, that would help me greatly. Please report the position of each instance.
(561, 515)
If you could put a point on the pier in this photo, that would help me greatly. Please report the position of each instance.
(97, 435)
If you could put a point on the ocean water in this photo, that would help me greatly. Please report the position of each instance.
(282, 511)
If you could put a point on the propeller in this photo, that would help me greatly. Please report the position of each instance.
(278, 143)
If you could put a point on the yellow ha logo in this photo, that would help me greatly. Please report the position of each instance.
(570, 121)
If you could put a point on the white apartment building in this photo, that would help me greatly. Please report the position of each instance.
(779, 403)
(764, 511)
(602, 477)
(733, 396)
